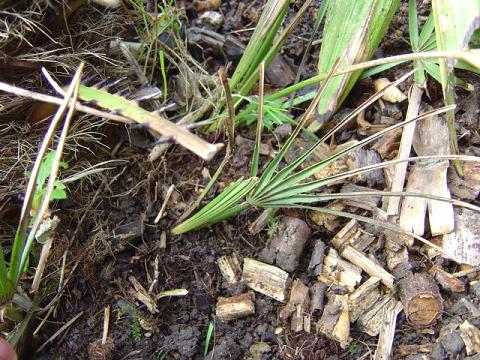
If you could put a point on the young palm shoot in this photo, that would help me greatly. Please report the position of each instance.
(290, 187)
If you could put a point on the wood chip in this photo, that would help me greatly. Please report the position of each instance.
(362, 298)
(315, 266)
(297, 306)
(447, 280)
(230, 268)
(471, 337)
(231, 308)
(367, 265)
(429, 177)
(287, 244)
(462, 244)
(387, 331)
(393, 94)
(264, 278)
(328, 221)
(335, 322)
(369, 202)
(371, 321)
(340, 272)
(468, 186)
(360, 158)
(421, 299)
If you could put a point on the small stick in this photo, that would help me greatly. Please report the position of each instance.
(106, 322)
(164, 205)
(42, 262)
(230, 129)
(62, 329)
(466, 272)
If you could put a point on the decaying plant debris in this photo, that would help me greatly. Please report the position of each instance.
(358, 240)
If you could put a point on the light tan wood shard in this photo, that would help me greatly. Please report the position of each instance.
(393, 94)
(429, 177)
(462, 245)
(266, 279)
(361, 300)
(471, 337)
(387, 331)
(400, 170)
(421, 299)
(335, 322)
(230, 268)
(345, 235)
(231, 308)
(340, 272)
(367, 265)
(372, 320)
(297, 306)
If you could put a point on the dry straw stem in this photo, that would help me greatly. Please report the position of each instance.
(200, 147)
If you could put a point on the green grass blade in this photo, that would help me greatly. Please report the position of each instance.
(266, 29)
(304, 174)
(258, 137)
(220, 208)
(427, 35)
(352, 32)
(282, 174)
(313, 198)
(211, 328)
(454, 24)
(413, 25)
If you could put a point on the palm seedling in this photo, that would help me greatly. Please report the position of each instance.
(290, 186)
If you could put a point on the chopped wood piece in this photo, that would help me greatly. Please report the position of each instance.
(447, 280)
(404, 350)
(397, 254)
(297, 305)
(344, 236)
(360, 158)
(429, 177)
(462, 244)
(387, 331)
(362, 298)
(335, 322)
(231, 308)
(369, 202)
(264, 278)
(387, 145)
(340, 272)
(471, 337)
(468, 186)
(315, 267)
(421, 299)
(287, 245)
(371, 321)
(367, 265)
(318, 294)
(393, 94)
(328, 221)
(363, 241)
(230, 268)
